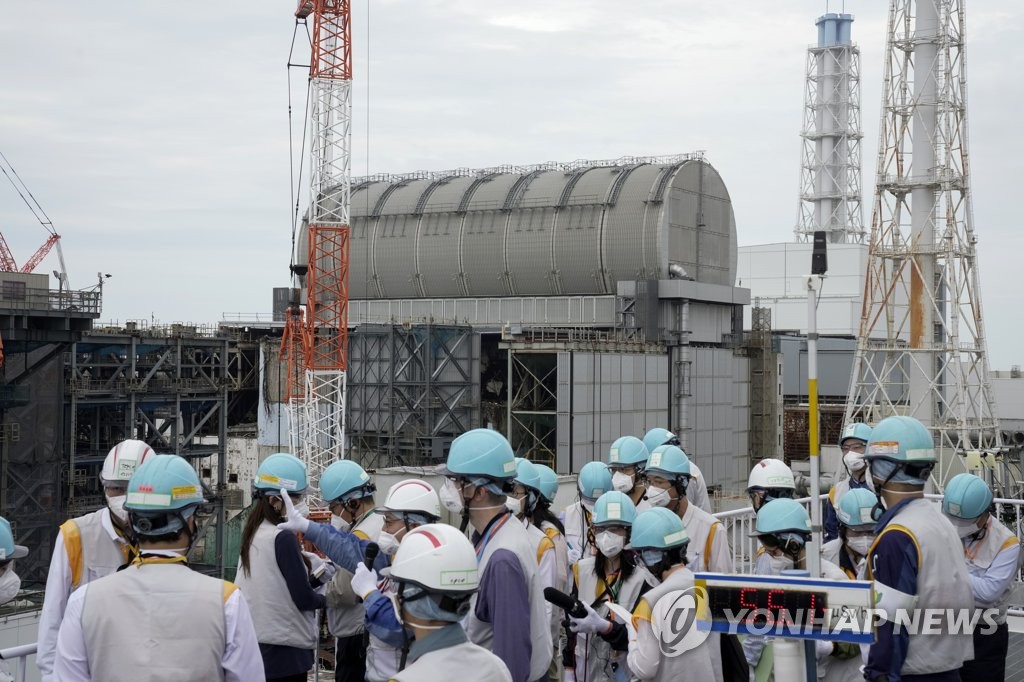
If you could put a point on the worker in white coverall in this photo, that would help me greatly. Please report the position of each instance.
(157, 619)
(594, 480)
(698, 489)
(10, 583)
(435, 571)
(89, 547)
(627, 458)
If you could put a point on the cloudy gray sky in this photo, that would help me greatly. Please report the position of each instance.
(156, 134)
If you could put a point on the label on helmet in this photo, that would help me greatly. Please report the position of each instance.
(675, 538)
(185, 492)
(921, 453)
(783, 481)
(954, 508)
(148, 499)
(459, 578)
(613, 510)
(865, 516)
(885, 447)
(277, 481)
(655, 460)
(3, 553)
(613, 455)
(510, 467)
(364, 476)
(125, 469)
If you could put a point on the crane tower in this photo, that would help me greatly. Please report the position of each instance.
(921, 349)
(830, 175)
(315, 343)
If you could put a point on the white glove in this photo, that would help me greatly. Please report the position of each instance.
(574, 555)
(822, 649)
(364, 581)
(592, 623)
(294, 521)
(569, 675)
(321, 569)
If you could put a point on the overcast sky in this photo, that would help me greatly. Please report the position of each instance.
(156, 134)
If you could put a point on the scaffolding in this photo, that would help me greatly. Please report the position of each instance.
(764, 387)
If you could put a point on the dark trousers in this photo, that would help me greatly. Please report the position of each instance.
(350, 659)
(989, 662)
(298, 677)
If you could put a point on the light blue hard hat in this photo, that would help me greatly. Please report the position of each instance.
(345, 480)
(548, 481)
(281, 470)
(668, 461)
(659, 436)
(967, 497)
(855, 508)
(782, 515)
(627, 451)
(614, 509)
(594, 480)
(657, 528)
(162, 493)
(481, 453)
(901, 450)
(527, 474)
(858, 430)
(9, 550)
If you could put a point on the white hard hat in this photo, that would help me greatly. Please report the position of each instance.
(412, 496)
(438, 558)
(123, 459)
(771, 473)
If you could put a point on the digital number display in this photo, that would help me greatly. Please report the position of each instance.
(759, 605)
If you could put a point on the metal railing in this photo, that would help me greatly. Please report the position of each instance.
(27, 299)
(19, 654)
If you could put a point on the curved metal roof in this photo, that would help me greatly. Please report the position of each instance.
(551, 229)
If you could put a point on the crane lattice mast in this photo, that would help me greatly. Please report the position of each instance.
(315, 345)
(921, 350)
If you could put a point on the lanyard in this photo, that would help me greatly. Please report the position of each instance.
(481, 544)
(158, 559)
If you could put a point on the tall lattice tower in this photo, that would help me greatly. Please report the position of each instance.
(830, 161)
(921, 349)
(315, 343)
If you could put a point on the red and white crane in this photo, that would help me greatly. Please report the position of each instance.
(7, 262)
(314, 349)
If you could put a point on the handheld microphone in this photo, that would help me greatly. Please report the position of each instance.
(372, 550)
(574, 607)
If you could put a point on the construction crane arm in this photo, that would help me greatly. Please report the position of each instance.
(7, 263)
(39, 255)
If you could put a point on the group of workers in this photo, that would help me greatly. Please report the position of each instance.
(411, 598)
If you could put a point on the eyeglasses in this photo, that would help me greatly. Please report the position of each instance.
(853, 446)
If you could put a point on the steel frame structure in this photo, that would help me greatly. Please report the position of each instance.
(532, 408)
(414, 389)
(316, 409)
(921, 349)
(830, 163)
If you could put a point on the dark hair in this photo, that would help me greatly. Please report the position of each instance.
(627, 564)
(542, 512)
(261, 511)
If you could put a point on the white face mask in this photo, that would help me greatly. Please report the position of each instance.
(116, 505)
(854, 461)
(387, 542)
(622, 482)
(588, 505)
(303, 509)
(340, 523)
(514, 505)
(10, 583)
(658, 497)
(965, 528)
(451, 497)
(609, 543)
(780, 563)
(860, 544)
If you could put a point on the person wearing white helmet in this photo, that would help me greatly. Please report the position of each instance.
(770, 479)
(158, 619)
(992, 552)
(909, 561)
(436, 575)
(89, 547)
(698, 488)
(852, 443)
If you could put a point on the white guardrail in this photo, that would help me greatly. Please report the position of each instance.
(739, 523)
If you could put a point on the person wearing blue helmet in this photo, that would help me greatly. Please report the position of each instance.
(910, 559)
(546, 520)
(849, 551)
(626, 459)
(992, 553)
(508, 615)
(852, 443)
(698, 489)
(157, 618)
(275, 575)
(10, 582)
(614, 574)
(783, 527)
(660, 539)
(593, 481)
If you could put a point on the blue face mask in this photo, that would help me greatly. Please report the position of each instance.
(652, 557)
(882, 469)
